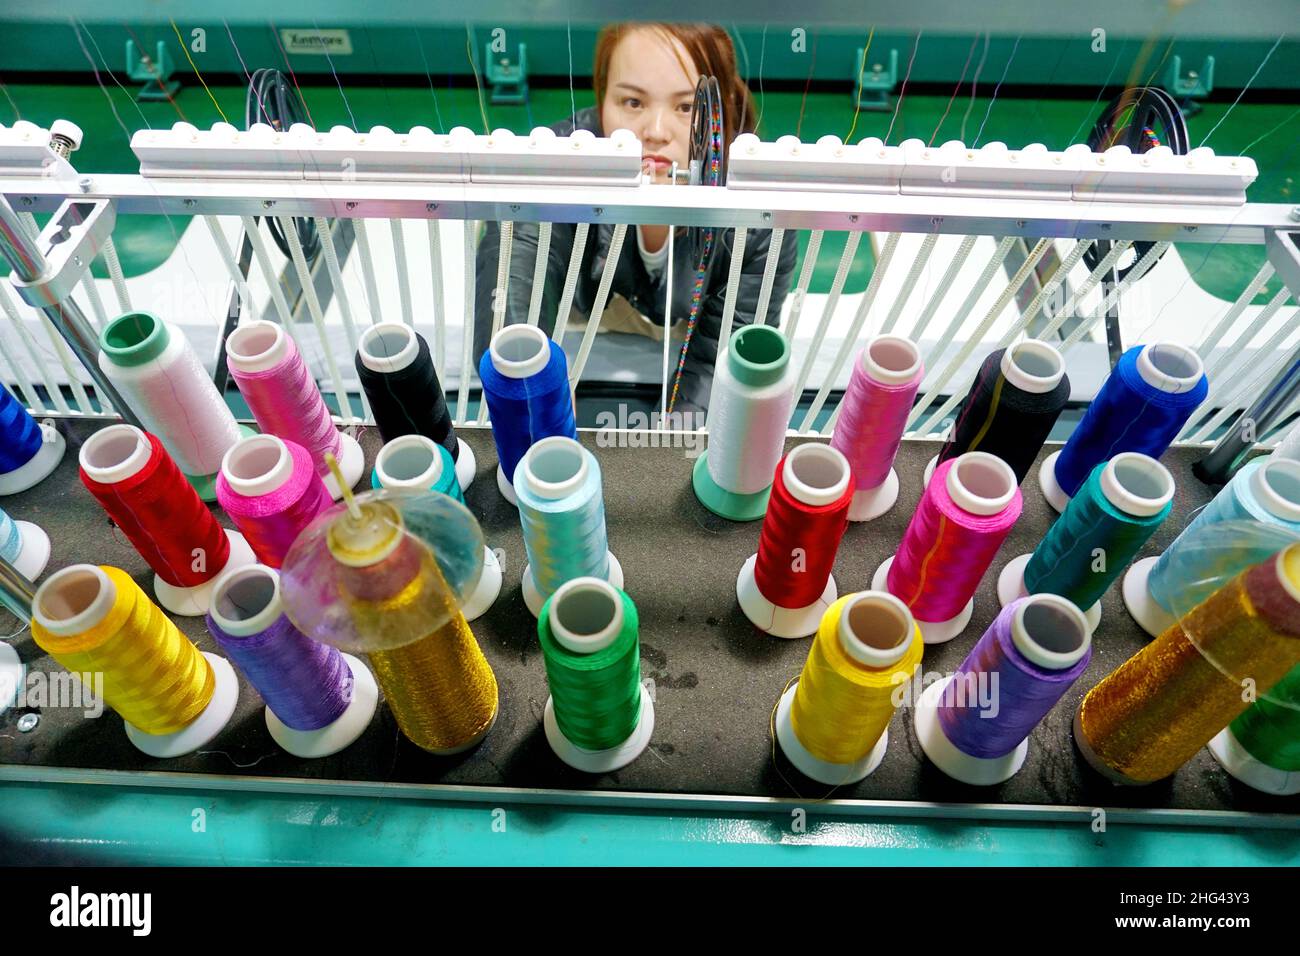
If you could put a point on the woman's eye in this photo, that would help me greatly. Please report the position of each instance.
(631, 102)
(685, 108)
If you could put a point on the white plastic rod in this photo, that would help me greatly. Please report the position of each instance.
(909, 283)
(469, 250)
(769, 274)
(317, 317)
(828, 312)
(403, 273)
(570, 281)
(232, 266)
(1048, 289)
(850, 341)
(51, 384)
(1234, 311)
(439, 305)
(268, 272)
(800, 294)
(373, 303)
(341, 296)
(96, 303)
(1072, 303)
(539, 272)
(598, 307)
(20, 374)
(733, 288)
(1112, 298)
(115, 273)
(500, 293)
(941, 290)
(1242, 394)
(64, 355)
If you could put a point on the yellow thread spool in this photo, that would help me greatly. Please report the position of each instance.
(832, 725)
(1162, 705)
(440, 688)
(97, 620)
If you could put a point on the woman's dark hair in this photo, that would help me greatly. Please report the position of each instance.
(711, 50)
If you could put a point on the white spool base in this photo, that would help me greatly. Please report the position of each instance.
(932, 632)
(533, 598)
(814, 768)
(487, 589)
(34, 553)
(1142, 607)
(1011, 585)
(12, 672)
(787, 622)
(930, 466)
(1051, 488)
(204, 727)
(869, 503)
(506, 488)
(349, 725)
(601, 761)
(38, 467)
(194, 601)
(961, 766)
(1235, 759)
(466, 464)
(352, 462)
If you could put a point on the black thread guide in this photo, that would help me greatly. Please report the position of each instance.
(716, 678)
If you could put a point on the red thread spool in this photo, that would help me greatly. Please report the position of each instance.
(143, 491)
(786, 587)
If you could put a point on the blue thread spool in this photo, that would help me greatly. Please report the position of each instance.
(28, 451)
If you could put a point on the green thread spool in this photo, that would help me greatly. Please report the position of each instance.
(1261, 748)
(599, 717)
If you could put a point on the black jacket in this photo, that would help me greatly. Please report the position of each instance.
(633, 282)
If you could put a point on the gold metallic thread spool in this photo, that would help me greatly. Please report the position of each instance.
(1162, 705)
(96, 620)
(440, 688)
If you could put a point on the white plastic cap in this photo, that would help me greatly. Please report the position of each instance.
(554, 467)
(981, 483)
(257, 465)
(68, 130)
(1137, 484)
(388, 347)
(586, 615)
(115, 454)
(876, 628)
(74, 600)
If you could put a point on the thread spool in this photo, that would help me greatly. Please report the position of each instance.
(1265, 491)
(806, 519)
(962, 519)
(749, 412)
(272, 492)
(155, 369)
(1152, 714)
(562, 512)
(418, 463)
(28, 451)
(873, 416)
(525, 380)
(96, 620)
(833, 724)
(1011, 408)
(1261, 748)
(136, 482)
(327, 697)
(603, 717)
(396, 371)
(284, 398)
(24, 545)
(1112, 517)
(385, 575)
(1142, 406)
(1032, 653)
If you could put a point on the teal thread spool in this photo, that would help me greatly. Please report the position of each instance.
(418, 463)
(599, 716)
(1103, 527)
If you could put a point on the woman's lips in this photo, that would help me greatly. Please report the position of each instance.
(660, 162)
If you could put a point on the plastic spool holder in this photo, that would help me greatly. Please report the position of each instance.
(12, 673)
(399, 350)
(37, 468)
(1234, 758)
(429, 453)
(763, 613)
(203, 728)
(34, 550)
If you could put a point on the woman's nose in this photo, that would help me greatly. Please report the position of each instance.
(656, 125)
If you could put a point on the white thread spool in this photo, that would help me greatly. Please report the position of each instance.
(816, 475)
(416, 462)
(246, 601)
(157, 372)
(586, 615)
(258, 346)
(388, 347)
(79, 597)
(749, 414)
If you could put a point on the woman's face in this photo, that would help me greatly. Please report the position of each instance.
(649, 93)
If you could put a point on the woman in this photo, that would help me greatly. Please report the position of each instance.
(644, 77)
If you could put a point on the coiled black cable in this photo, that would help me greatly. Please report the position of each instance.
(272, 100)
(1141, 119)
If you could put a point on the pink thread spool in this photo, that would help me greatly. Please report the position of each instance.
(872, 419)
(280, 391)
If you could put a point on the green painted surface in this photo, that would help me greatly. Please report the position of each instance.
(102, 825)
(109, 116)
